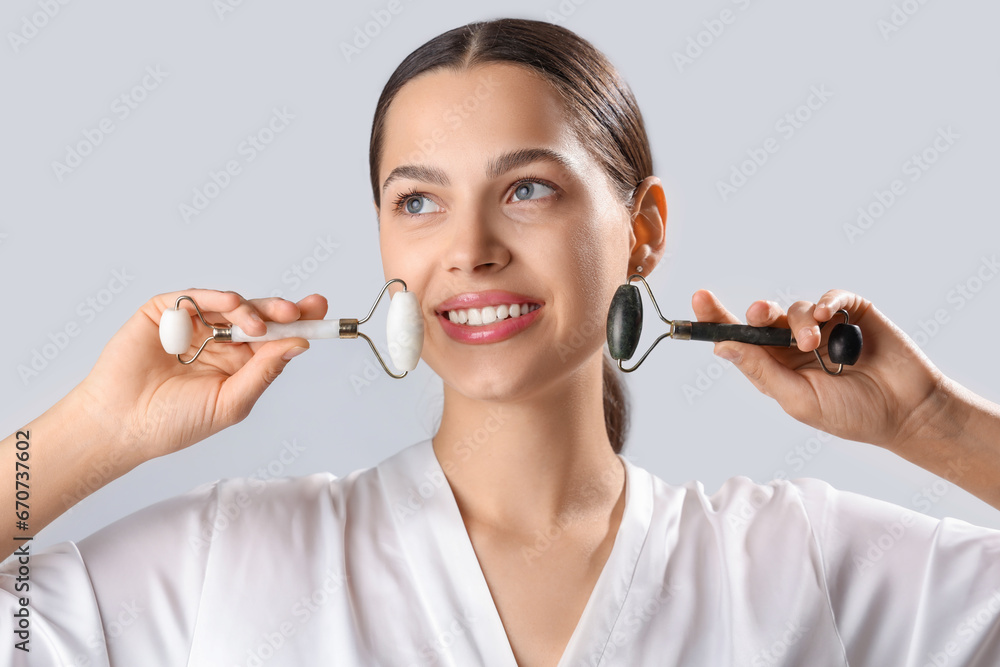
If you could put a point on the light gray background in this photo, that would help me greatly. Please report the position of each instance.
(780, 236)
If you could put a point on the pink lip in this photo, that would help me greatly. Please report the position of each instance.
(488, 333)
(482, 299)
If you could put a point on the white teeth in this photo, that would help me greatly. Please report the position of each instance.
(489, 314)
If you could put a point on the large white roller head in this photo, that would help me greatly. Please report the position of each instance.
(404, 329)
(176, 331)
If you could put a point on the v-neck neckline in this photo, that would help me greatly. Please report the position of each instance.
(453, 586)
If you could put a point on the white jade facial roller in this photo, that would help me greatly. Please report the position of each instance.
(404, 330)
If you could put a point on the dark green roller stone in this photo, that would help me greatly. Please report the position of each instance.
(624, 322)
(845, 344)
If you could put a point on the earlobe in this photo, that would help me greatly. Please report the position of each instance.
(649, 223)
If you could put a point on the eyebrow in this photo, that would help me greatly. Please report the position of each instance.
(525, 156)
(417, 173)
(495, 168)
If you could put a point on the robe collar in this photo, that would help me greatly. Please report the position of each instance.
(464, 622)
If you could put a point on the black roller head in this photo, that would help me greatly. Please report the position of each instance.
(624, 322)
(845, 344)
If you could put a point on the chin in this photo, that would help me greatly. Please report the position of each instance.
(488, 383)
(488, 387)
(505, 377)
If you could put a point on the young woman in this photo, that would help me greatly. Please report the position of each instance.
(514, 188)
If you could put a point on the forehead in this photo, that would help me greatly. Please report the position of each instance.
(457, 119)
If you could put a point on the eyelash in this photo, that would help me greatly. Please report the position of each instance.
(399, 203)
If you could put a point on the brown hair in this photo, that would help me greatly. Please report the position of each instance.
(603, 113)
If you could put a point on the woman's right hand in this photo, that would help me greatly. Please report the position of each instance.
(148, 404)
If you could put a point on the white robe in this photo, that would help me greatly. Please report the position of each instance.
(376, 568)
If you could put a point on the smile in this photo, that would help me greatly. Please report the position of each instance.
(491, 316)
(481, 334)
(477, 317)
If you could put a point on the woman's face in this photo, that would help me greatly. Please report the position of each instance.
(490, 200)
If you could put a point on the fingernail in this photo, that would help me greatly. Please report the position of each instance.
(804, 334)
(294, 352)
(255, 317)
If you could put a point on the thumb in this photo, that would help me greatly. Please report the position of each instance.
(240, 392)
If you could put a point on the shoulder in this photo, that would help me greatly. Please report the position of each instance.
(803, 518)
(744, 546)
(839, 529)
(741, 502)
(738, 503)
(243, 509)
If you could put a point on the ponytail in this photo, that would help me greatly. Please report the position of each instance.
(615, 405)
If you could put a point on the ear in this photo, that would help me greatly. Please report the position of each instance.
(649, 225)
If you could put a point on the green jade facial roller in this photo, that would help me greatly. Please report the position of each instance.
(625, 326)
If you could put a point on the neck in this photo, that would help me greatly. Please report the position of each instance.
(533, 460)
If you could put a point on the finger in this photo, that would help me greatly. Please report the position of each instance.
(766, 314)
(804, 326)
(313, 307)
(804, 317)
(275, 309)
(240, 392)
(208, 300)
(708, 308)
(213, 305)
(246, 317)
(837, 299)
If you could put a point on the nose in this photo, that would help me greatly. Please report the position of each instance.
(476, 244)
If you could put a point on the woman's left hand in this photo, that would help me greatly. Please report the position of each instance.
(888, 398)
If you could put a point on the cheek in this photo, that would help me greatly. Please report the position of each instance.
(394, 257)
(599, 257)
(400, 260)
(590, 272)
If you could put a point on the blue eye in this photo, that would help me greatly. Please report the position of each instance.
(531, 190)
(416, 204)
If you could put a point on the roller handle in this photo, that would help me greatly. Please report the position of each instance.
(176, 331)
(308, 329)
(741, 333)
(844, 345)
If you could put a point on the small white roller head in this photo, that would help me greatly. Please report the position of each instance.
(404, 329)
(176, 331)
